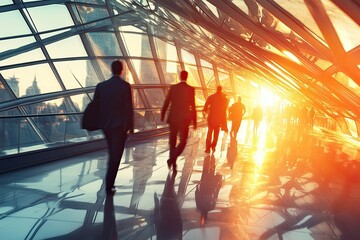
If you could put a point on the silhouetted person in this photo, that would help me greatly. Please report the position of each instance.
(215, 107)
(167, 217)
(181, 99)
(236, 114)
(257, 117)
(114, 99)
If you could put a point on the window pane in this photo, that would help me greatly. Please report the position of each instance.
(137, 45)
(347, 30)
(32, 80)
(205, 63)
(300, 11)
(171, 71)
(146, 71)
(347, 82)
(137, 100)
(77, 74)
(59, 15)
(104, 44)
(193, 78)
(15, 43)
(89, 14)
(6, 2)
(187, 57)
(105, 67)
(18, 26)
(69, 47)
(199, 97)
(165, 50)
(209, 76)
(155, 97)
(4, 94)
(34, 55)
(225, 81)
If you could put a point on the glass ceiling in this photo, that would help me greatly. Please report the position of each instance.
(53, 53)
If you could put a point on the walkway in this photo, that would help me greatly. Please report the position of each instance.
(261, 189)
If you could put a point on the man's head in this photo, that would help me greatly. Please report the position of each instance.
(239, 99)
(117, 68)
(219, 89)
(183, 75)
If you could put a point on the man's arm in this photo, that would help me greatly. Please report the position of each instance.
(165, 105)
(129, 109)
(193, 108)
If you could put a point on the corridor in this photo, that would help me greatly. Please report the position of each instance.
(273, 186)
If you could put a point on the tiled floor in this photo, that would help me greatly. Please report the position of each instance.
(245, 190)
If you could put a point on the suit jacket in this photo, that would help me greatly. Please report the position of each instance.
(114, 99)
(216, 107)
(181, 99)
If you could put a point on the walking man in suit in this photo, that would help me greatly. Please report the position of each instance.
(236, 114)
(215, 108)
(181, 99)
(114, 99)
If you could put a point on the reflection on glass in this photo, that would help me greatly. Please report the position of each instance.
(69, 47)
(32, 80)
(167, 217)
(206, 193)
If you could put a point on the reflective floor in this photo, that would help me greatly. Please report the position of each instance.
(285, 183)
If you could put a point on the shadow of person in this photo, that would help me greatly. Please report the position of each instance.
(109, 224)
(167, 217)
(207, 190)
(232, 152)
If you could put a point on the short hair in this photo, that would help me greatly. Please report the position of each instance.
(183, 75)
(219, 89)
(116, 67)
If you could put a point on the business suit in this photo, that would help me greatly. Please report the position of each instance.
(181, 99)
(216, 107)
(114, 99)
